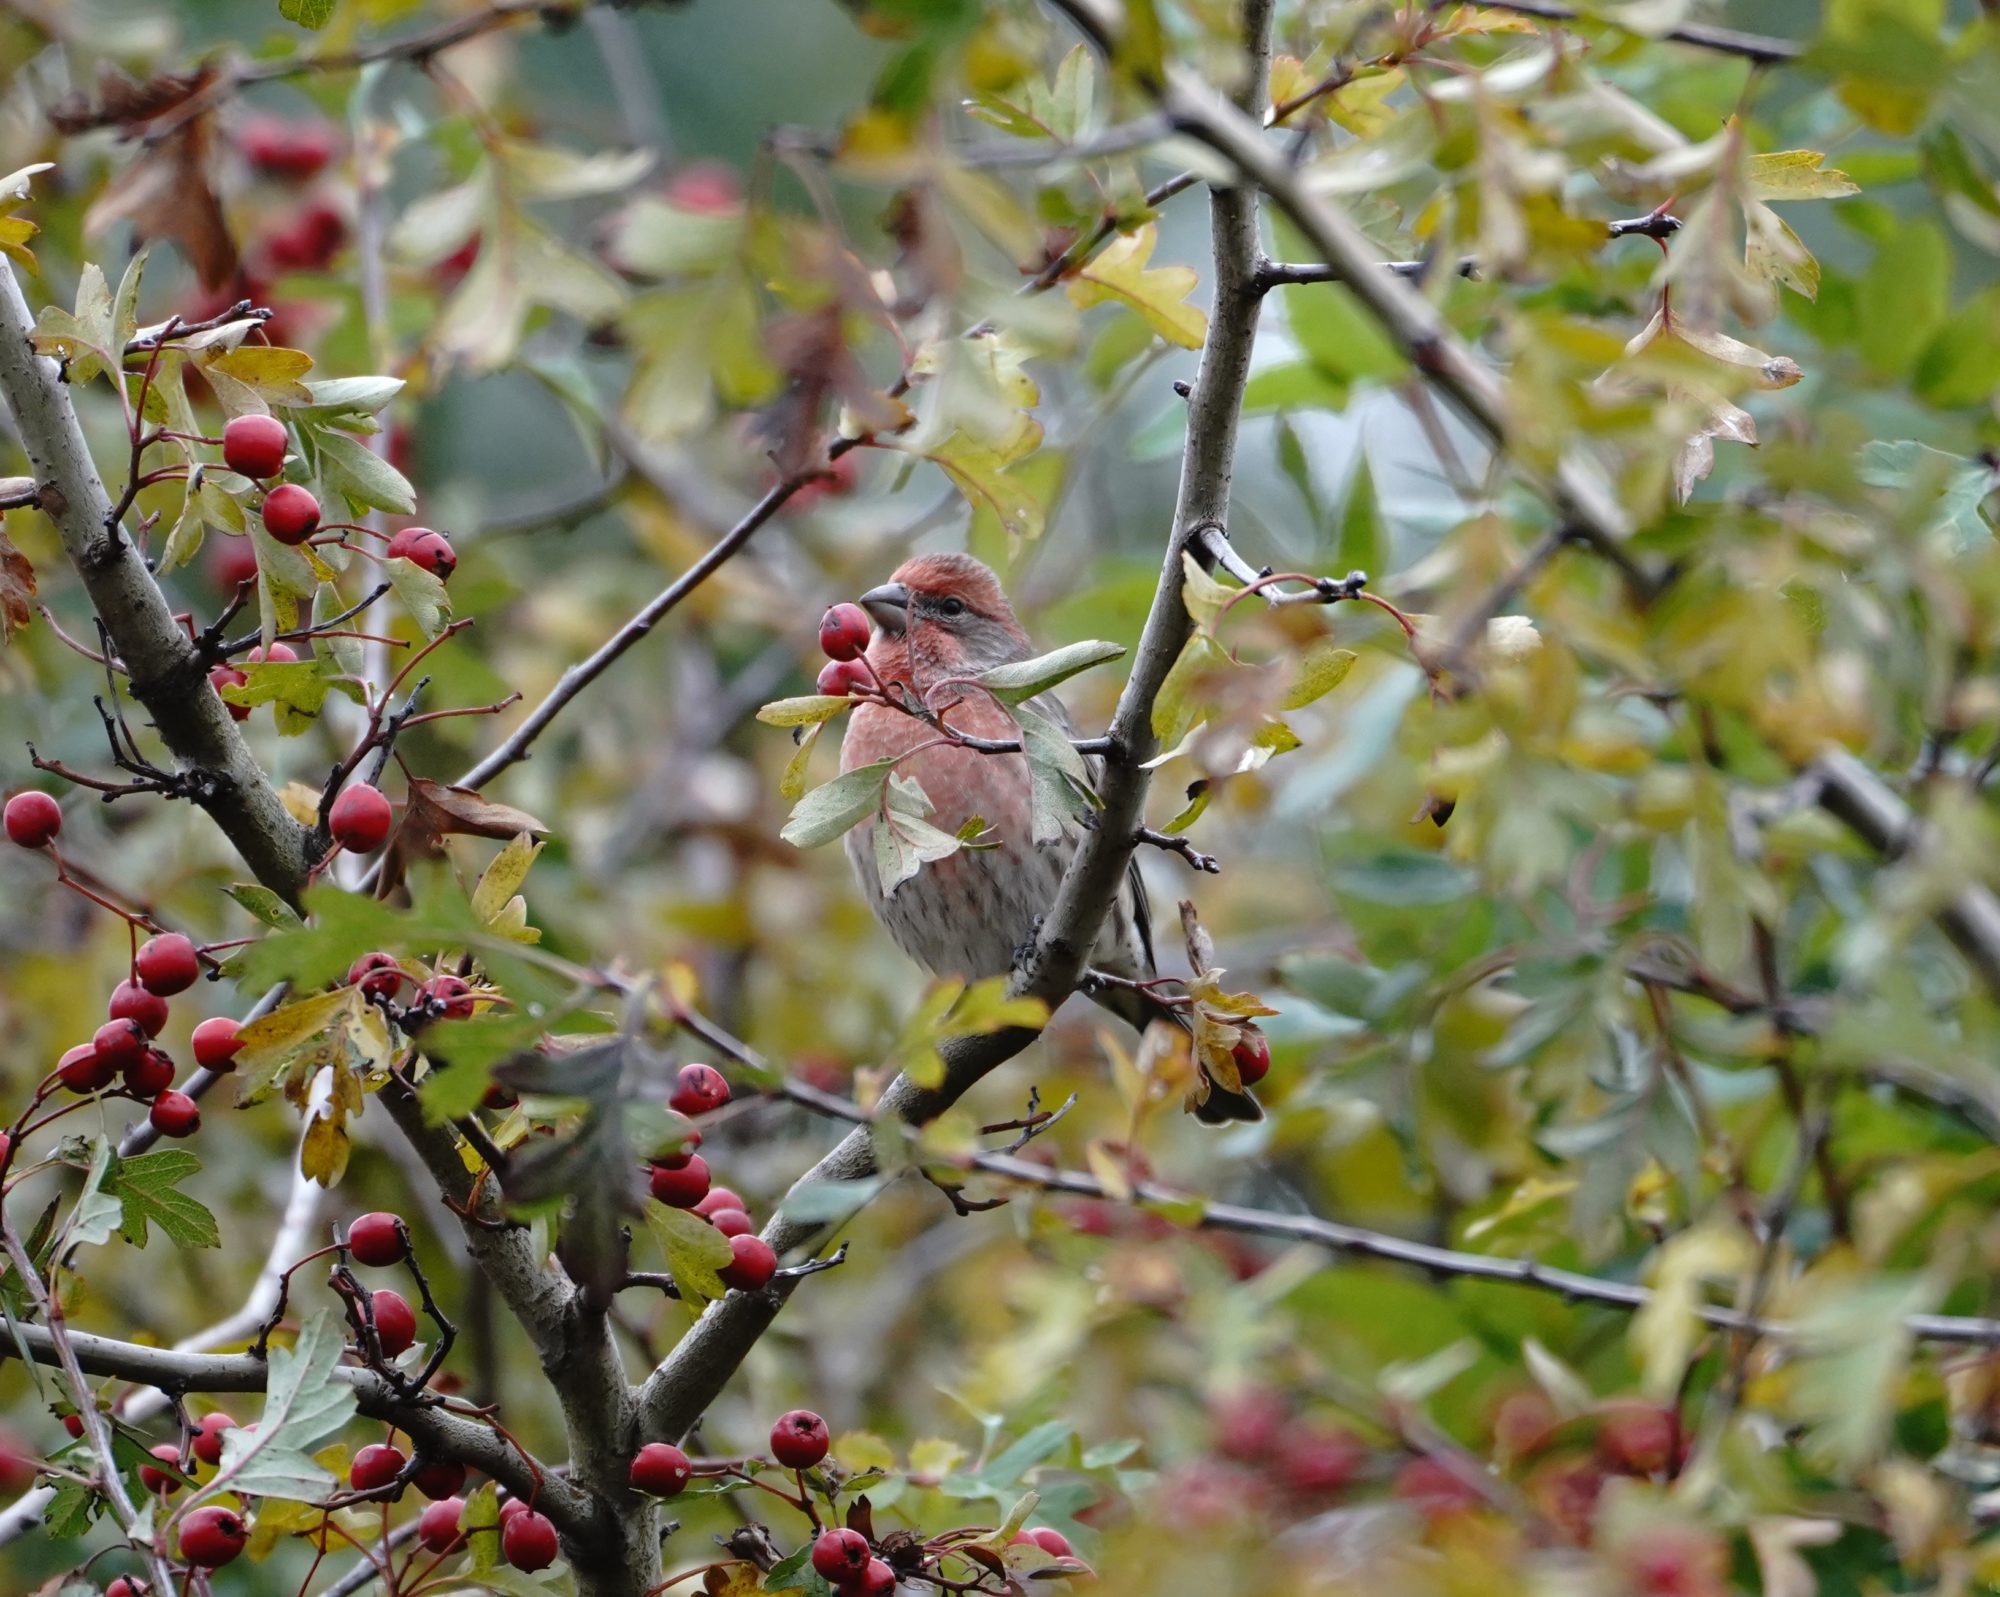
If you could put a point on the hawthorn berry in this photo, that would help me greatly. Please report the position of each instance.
(118, 1042)
(273, 654)
(660, 1469)
(844, 678)
(17, 1463)
(175, 1114)
(1051, 1541)
(32, 819)
(158, 1480)
(1319, 1459)
(167, 964)
(706, 186)
(121, 1587)
(378, 1238)
(699, 1089)
(1252, 1056)
(306, 242)
(682, 1186)
(439, 1479)
(1523, 1422)
(752, 1266)
(720, 1198)
(426, 547)
(207, 1444)
(437, 1526)
(216, 1042)
(451, 996)
(378, 975)
(255, 446)
(877, 1580)
(1636, 1438)
(375, 1466)
(513, 1506)
(841, 1555)
(1434, 1488)
(281, 148)
(150, 1074)
(360, 818)
(843, 632)
(84, 1069)
(799, 1440)
(395, 1322)
(291, 513)
(227, 676)
(212, 1536)
(731, 1222)
(73, 1423)
(146, 1010)
(528, 1541)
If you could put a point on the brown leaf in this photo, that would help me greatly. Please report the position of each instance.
(435, 812)
(124, 102)
(17, 587)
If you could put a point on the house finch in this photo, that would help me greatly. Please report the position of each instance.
(942, 618)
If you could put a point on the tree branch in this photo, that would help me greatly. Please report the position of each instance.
(1761, 48)
(683, 1386)
(166, 673)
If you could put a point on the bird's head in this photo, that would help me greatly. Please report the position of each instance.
(942, 615)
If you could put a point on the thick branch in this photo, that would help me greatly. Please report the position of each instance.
(687, 1382)
(165, 670)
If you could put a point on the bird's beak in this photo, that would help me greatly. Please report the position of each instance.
(889, 605)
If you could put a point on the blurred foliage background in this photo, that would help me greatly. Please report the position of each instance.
(1626, 1011)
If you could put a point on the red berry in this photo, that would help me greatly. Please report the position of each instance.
(360, 818)
(255, 446)
(395, 1322)
(1522, 1423)
(146, 1010)
(375, 1466)
(799, 1440)
(118, 1042)
(684, 1187)
(450, 996)
(1051, 1541)
(528, 1541)
(439, 1479)
(437, 1526)
(1434, 1488)
(158, 1480)
(175, 1114)
(422, 546)
(291, 514)
(121, 1587)
(217, 1041)
(378, 975)
(699, 1089)
(275, 654)
(167, 964)
(1636, 1438)
(754, 1264)
(843, 632)
(151, 1074)
(84, 1069)
(844, 678)
(659, 1469)
(227, 676)
(841, 1555)
(731, 1222)
(512, 1507)
(281, 148)
(877, 1580)
(32, 819)
(1252, 1056)
(207, 1444)
(1319, 1459)
(212, 1536)
(378, 1239)
(17, 1463)
(706, 186)
(306, 242)
(719, 1198)
(73, 1423)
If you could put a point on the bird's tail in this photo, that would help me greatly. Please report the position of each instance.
(1139, 1009)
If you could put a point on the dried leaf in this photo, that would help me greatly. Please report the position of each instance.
(435, 812)
(17, 587)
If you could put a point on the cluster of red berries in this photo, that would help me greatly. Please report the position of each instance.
(843, 637)
(682, 1180)
(378, 1240)
(441, 997)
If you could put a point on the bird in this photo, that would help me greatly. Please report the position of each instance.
(939, 619)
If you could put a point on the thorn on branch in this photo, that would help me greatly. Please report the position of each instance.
(797, 1272)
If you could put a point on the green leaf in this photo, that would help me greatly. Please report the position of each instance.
(362, 477)
(98, 1211)
(338, 399)
(1057, 777)
(264, 905)
(1338, 336)
(1204, 597)
(904, 844)
(305, 1405)
(248, 379)
(297, 687)
(83, 339)
(147, 1185)
(1119, 273)
(1025, 679)
(1796, 175)
(834, 808)
(1177, 709)
(1362, 546)
(422, 594)
(981, 474)
(807, 711)
(72, 1511)
(694, 1249)
(1318, 670)
(309, 14)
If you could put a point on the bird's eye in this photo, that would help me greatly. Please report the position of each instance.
(952, 607)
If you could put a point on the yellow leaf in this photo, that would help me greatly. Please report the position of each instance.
(1109, 1170)
(1317, 671)
(301, 802)
(935, 1457)
(1119, 273)
(863, 1451)
(323, 1154)
(1797, 175)
(807, 711)
(792, 785)
(502, 879)
(1664, 1332)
